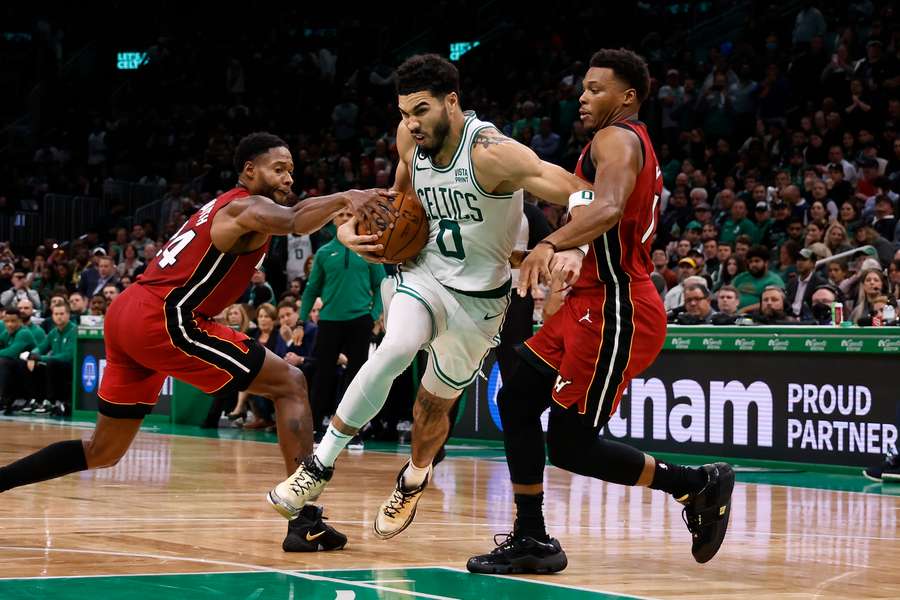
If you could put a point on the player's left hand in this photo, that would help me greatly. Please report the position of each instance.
(363, 245)
(565, 267)
(534, 269)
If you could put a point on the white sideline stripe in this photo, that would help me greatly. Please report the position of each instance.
(249, 567)
(225, 572)
(557, 585)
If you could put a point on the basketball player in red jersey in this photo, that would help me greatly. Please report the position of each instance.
(611, 327)
(162, 325)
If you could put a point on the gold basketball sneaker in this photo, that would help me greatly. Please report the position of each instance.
(397, 513)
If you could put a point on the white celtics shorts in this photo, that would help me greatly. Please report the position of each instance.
(465, 326)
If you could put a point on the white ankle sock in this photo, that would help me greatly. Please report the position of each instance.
(414, 476)
(331, 445)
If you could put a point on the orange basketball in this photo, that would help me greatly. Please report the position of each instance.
(409, 234)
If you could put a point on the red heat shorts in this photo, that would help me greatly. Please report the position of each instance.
(596, 344)
(146, 342)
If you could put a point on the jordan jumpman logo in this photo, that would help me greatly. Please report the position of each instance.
(586, 317)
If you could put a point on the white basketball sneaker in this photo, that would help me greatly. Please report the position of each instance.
(305, 485)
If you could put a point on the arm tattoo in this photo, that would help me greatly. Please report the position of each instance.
(490, 137)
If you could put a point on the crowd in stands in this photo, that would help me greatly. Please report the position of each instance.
(778, 148)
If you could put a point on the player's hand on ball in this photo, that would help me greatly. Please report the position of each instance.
(363, 245)
(565, 267)
(535, 268)
(374, 204)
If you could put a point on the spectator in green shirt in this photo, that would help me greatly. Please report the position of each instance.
(51, 364)
(350, 289)
(763, 223)
(752, 282)
(529, 119)
(14, 340)
(738, 224)
(26, 309)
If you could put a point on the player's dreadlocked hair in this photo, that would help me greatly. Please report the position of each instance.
(427, 72)
(253, 145)
(628, 67)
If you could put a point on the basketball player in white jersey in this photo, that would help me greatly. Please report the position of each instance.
(452, 298)
(299, 251)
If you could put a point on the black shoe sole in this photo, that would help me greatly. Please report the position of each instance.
(304, 546)
(526, 565)
(726, 487)
(870, 478)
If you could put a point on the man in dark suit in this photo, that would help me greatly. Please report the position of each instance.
(93, 280)
(800, 290)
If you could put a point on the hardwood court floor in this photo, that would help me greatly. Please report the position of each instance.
(185, 517)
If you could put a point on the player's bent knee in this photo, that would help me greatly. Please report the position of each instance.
(429, 407)
(102, 458)
(397, 353)
(298, 381)
(562, 449)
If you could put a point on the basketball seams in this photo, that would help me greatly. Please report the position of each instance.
(401, 203)
(390, 233)
(422, 223)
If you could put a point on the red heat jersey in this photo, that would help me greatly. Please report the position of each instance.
(192, 275)
(622, 254)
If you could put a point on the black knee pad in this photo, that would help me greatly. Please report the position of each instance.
(567, 438)
(574, 444)
(525, 394)
(521, 401)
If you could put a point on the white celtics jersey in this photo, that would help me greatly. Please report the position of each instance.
(472, 232)
(299, 250)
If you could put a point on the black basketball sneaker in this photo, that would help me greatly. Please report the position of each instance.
(706, 512)
(309, 533)
(889, 470)
(518, 553)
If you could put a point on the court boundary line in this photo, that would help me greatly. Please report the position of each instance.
(224, 572)
(311, 574)
(248, 566)
(559, 585)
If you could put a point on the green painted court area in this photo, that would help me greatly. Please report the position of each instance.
(426, 582)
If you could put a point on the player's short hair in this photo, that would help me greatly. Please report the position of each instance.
(427, 72)
(13, 311)
(628, 66)
(253, 145)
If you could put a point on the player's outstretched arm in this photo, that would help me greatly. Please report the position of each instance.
(503, 165)
(617, 154)
(259, 214)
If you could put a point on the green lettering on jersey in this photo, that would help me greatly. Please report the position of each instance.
(447, 204)
(457, 251)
